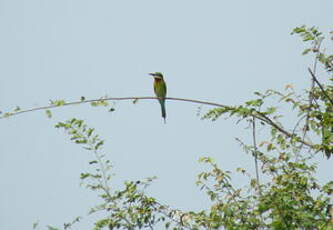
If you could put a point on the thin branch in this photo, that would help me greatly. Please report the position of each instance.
(267, 120)
(255, 114)
(320, 86)
(104, 181)
(255, 153)
(311, 98)
(170, 213)
(109, 99)
(298, 123)
(150, 226)
(105, 184)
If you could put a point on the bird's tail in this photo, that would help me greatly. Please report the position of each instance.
(162, 102)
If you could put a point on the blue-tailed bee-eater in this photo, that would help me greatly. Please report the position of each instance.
(160, 90)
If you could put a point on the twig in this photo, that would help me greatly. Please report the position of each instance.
(255, 153)
(298, 123)
(254, 137)
(320, 86)
(105, 184)
(267, 120)
(306, 126)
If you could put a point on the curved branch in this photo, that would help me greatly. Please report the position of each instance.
(110, 99)
(320, 86)
(255, 114)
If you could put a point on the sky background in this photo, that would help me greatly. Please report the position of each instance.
(220, 51)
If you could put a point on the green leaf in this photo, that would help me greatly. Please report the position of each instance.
(52, 228)
(90, 131)
(306, 51)
(84, 175)
(99, 144)
(35, 225)
(58, 102)
(48, 113)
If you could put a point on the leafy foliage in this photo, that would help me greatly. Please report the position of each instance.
(284, 195)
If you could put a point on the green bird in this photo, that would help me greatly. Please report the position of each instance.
(160, 90)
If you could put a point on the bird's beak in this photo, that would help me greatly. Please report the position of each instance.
(152, 74)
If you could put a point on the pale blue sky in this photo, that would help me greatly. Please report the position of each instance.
(214, 50)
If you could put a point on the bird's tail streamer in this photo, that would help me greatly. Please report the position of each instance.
(162, 102)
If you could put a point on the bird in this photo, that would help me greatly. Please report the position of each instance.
(160, 90)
